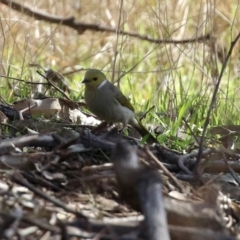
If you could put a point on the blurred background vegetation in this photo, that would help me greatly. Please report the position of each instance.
(178, 79)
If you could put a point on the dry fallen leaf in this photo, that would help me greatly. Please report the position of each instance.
(48, 107)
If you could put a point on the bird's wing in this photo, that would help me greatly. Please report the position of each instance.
(120, 98)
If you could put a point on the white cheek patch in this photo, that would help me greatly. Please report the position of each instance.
(102, 84)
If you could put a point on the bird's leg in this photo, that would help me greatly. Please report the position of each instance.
(123, 129)
(129, 131)
(100, 127)
(116, 130)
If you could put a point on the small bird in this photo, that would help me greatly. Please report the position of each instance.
(141, 188)
(108, 103)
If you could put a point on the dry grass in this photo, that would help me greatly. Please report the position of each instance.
(167, 74)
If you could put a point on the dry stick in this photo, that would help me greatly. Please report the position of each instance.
(18, 178)
(11, 126)
(116, 47)
(81, 27)
(33, 221)
(21, 80)
(42, 225)
(146, 113)
(233, 173)
(35, 83)
(63, 228)
(213, 101)
(53, 85)
(137, 63)
(26, 109)
(190, 129)
(165, 170)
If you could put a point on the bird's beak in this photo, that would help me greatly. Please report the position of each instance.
(85, 80)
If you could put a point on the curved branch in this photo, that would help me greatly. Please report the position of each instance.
(80, 27)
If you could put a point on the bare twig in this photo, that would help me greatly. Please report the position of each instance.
(231, 170)
(39, 223)
(165, 170)
(118, 33)
(146, 113)
(213, 101)
(18, 178)
(26, 109)
(54, 86)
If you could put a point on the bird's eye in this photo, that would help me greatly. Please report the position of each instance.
(95, 79)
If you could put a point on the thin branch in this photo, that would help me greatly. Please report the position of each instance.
(54, 86)
(22, 80)
(213, 101)
(18, 178)
(165, 170)
(116, 45)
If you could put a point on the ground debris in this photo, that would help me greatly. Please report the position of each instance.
(61, 183)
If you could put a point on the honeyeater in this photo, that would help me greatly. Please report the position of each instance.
(108, 103)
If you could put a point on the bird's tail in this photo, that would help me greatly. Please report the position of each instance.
(144, 132)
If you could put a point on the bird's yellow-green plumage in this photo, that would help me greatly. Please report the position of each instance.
(108, 103)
